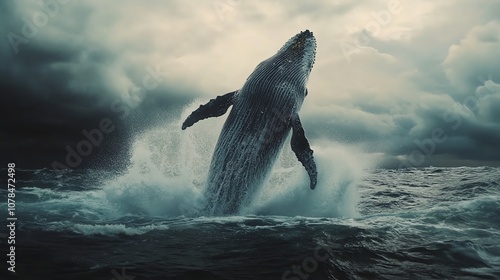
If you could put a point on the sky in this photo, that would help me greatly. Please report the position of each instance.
(416, 83)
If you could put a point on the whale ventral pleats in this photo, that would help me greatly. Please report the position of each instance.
(253, 134)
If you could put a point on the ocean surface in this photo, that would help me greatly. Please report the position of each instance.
(359, 223)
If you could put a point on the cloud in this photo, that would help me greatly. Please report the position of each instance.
(474, 59)
(423, 68)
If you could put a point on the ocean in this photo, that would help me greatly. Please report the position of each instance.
(360, 222)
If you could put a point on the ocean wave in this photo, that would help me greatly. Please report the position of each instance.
(102, 229)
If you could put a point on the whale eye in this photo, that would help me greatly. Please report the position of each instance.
(306, 92)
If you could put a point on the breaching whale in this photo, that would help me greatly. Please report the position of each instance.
(264, 111)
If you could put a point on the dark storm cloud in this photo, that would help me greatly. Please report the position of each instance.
(59, 84)
(425, 69)
(448, 85)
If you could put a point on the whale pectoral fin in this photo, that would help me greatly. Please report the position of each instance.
(302, 150)
(214, 108)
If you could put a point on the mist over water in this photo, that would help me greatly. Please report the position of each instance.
(166, 179)
(422, 223)
(169, 167)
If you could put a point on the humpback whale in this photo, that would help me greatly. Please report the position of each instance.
(264, 112)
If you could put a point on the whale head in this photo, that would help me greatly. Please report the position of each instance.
(299, 51)
(291, 65)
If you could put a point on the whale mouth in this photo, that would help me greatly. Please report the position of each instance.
(302, 47)
(301, 38)
(300, 41)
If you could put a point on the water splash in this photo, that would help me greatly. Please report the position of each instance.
(169, 168)
(167, 171)
(339, 173)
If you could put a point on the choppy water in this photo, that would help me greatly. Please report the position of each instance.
(359, 223)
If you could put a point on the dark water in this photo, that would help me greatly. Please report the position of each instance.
(359, 222)
(430, 223)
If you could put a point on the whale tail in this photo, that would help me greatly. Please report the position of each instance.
(214, 108)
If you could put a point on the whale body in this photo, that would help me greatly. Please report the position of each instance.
(264, 112)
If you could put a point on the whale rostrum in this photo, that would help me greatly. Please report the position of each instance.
(264, 111)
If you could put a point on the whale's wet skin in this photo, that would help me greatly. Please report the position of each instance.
(264, 112)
